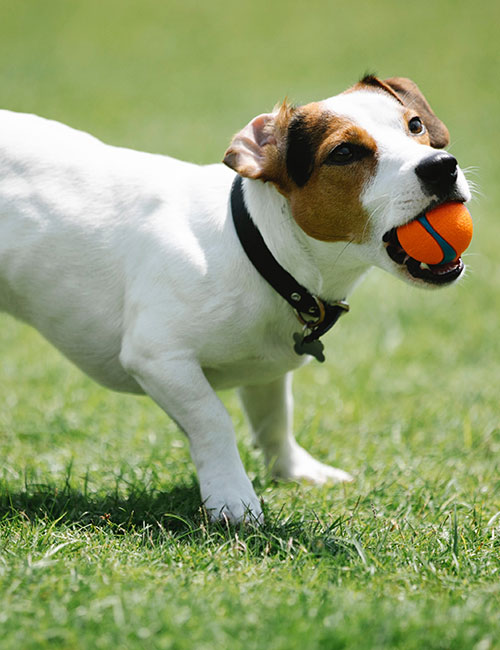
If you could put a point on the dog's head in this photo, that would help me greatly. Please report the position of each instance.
(356, 166)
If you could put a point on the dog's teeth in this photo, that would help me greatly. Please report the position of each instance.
(407, 257)
(424, 266)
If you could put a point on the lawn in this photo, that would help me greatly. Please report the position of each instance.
(102, 542)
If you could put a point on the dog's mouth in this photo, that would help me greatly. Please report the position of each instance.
(437, 274)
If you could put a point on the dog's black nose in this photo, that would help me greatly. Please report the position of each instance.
(438, 173)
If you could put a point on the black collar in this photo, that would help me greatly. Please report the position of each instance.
(316, 315)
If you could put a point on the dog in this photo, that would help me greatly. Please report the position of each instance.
(163, 277)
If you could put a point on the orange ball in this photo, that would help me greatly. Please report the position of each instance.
(440, 236)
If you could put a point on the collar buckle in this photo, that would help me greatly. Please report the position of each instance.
(313, 322)
(338, 306)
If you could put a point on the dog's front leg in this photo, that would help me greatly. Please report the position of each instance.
(179, 386)
(269, 408)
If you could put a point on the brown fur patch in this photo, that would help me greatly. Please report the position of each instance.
(328, 206)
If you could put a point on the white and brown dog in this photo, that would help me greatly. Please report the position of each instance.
(131, 264)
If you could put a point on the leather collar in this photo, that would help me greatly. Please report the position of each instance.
(316, 315)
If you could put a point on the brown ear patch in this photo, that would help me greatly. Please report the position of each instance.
(412, 97)
(409, 95)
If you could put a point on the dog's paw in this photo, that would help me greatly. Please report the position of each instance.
(299, 465)
(227, 503)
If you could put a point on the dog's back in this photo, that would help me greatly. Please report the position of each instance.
(77, 217)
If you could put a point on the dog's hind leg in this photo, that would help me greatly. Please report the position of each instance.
(269, 408)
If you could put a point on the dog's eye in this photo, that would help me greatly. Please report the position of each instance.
(345, 153)
(416, 126)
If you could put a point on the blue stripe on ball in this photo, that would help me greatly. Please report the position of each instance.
(449, 253)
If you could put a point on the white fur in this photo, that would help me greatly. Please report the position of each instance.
(129, 264)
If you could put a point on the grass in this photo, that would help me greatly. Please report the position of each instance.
(102, 543)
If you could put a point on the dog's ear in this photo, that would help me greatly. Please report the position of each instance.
(247, 151)
(253, 151)
(411, 96)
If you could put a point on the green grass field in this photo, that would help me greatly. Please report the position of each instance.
(102, 543)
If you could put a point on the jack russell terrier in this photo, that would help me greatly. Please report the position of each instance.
(163, 277)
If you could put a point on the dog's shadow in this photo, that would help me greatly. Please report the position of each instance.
(177, 510)
(159, 516)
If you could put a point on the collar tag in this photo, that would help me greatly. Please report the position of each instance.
(314, 348)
